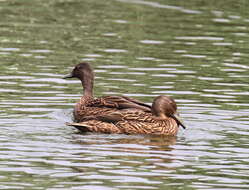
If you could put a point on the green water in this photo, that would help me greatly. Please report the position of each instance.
(195, 51)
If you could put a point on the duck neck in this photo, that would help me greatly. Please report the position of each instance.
(87, 83)
(162, 116)
(88, 90)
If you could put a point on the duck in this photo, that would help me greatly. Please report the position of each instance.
(89, 106)
(162, 120)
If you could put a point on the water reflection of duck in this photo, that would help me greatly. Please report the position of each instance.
(155, 142)
(118, 114)
(151, 150)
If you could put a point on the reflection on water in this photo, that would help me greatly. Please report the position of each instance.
(194, 51)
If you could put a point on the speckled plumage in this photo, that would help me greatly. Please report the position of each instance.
(154, 126)
(89, 106)
(120, 114)
(163, 121)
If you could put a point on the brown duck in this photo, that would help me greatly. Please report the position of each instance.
(89, 106)
(163, 120)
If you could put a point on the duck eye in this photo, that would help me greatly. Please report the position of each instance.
(79, 67)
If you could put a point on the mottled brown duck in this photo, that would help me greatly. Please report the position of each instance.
(163, 120)
(89, 106)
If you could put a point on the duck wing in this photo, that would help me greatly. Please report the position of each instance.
(121, 102)
(125, 115)
(135, 101)
(130, 114)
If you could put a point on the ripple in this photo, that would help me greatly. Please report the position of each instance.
(112, 66)
(171, 65)
(210, 78)
(148, 69)
(8, 90)
(162, 87)
(93, 55)
(175, 92)
(122, 79)
(138, 95)
(234, 17)
(52, 80)
(115, 50)
(41, 51)
(180, 51)
(221, 20)
(158, 5)
(236, 65)
(238, 104)
(229, 84)
(87, 59)
(233, 70)
(151, 42)
(26, 54)
(39, 57)
(238, 93)
(217, 96)
(163, 75)
(223, 44)
(4, 53)
(146, 58)
(121, 21)
(43, 42)
(16, 77)
(9, 49)
(109, 34)
(182, 71)
(240, 34)
(209, 38)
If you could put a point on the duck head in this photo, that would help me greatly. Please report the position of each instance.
(84, 73)
(79, 71)
(165, 106)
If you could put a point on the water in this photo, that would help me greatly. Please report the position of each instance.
(195, 51)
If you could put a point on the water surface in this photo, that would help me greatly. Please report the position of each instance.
(195, 51)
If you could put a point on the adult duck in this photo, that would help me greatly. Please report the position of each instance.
(163, 120)
(89, 106)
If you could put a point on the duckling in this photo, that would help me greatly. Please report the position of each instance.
(88, 105)
(163, 120)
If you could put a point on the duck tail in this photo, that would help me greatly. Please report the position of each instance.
(83, 127)
(96, 126)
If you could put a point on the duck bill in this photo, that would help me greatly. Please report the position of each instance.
(68, 76)
(178, 120)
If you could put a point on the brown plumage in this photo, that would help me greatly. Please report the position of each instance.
(89, 106)
(163, 120)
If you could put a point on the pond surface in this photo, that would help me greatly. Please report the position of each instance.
(195, 51)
